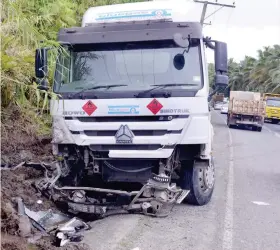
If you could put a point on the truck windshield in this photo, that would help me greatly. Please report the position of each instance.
(128, 66)
(273, 103)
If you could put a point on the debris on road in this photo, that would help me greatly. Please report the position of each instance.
(69, 232)
(24, 223)
(28, 219)
(154, 197)
(48, 220)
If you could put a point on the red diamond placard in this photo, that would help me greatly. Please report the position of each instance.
(89, 107)
(155, 106)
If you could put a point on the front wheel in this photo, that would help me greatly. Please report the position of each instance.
(199, 179)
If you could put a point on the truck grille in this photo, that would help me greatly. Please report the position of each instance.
(128, 118)
(135, 132)
(128, 147)
(148, 131)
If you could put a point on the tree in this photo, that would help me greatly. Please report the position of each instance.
(24, 24)
(261, 74)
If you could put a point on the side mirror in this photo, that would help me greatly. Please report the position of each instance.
(221, 80)
(41, 63)
(179, 61)
(221, 58)
(221, 64)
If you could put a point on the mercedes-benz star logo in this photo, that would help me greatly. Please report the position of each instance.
(124, 135)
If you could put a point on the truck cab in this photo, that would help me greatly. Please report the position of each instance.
(272, 110)
(132, 109)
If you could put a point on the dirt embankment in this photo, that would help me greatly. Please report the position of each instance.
(9, 242)
(18, 183)
(22, 140)
(23, 137)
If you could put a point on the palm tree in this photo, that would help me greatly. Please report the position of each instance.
(257, 74)
(24, 24)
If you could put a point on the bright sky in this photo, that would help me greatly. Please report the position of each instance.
(247, 28)
(250, 26)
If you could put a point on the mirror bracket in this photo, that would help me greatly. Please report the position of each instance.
(42, 84)
(183, 42)
(208, 42)
(41, 87)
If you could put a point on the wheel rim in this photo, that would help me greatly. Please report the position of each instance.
(209, 176)
(206, 177)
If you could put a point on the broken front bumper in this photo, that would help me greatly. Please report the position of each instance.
(156, 195)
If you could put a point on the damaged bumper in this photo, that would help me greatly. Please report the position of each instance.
(156, 195)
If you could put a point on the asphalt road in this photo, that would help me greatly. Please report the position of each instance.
(244, 212)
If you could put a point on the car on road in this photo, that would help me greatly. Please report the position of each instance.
(224, 109)
(218, 105)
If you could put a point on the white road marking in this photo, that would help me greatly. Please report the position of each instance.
(261, 203)
(269, 130)
(228, 222)
(137, 248)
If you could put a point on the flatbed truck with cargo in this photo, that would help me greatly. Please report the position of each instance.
(246, 109)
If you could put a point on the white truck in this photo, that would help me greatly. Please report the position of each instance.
(131, 128)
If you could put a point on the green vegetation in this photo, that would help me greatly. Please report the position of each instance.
(261, 74)
(27, 24)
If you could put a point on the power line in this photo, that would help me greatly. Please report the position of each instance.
(205, 5)
(213, 13)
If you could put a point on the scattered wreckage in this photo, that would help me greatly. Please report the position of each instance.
(63, 228)
(33, 218)
(155, 196)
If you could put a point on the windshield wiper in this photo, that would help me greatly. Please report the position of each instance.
(162, 86)
(97, 87)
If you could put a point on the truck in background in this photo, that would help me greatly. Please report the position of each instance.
(246, 109)
(218, 101)
(272, 110)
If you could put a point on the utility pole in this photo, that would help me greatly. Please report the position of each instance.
(205, 4)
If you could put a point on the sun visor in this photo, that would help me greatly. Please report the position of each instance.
(129, 32)
(134, 15)
(178, 11)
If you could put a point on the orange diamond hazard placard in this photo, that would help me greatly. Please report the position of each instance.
(154, 106)
(89, 107)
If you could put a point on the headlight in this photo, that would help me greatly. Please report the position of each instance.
(60, 131)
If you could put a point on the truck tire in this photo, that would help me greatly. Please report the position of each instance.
(199, 178)
(228, 123)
